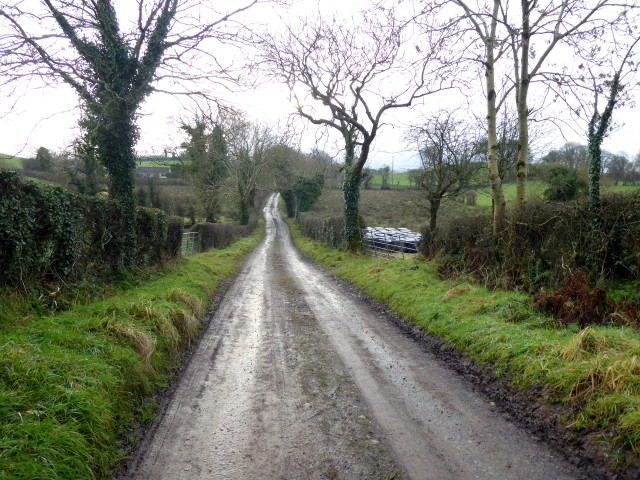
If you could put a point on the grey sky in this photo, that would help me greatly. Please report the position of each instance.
(47, 116)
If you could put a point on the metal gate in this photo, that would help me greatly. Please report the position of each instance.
(189, 244)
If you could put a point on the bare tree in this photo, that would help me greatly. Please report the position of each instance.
(525, 35)
(571, 155)
(538, 29)
(346, 76)
(112, 66)
(449, 151)
(251, 148)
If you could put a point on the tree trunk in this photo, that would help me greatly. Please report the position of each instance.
(244, 211)
(499, 203)
(351, 189)
(523, 146)
(434, 206)
(210, 215)
(598, 127)
(522, 91)
(595, 165)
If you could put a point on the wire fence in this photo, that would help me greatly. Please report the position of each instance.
(389, 243)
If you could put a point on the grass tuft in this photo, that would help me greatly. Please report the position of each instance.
(589, 341)
(195, 305)
(187, 325)
(456, 292)
(142, 342)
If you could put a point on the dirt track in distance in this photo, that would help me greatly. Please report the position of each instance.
(295, 378)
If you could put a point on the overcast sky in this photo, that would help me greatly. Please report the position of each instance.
(48, 116)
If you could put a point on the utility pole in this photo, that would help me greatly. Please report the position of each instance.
(392, 160)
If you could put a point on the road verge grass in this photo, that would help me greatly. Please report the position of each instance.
(592, 375)
(71, 384)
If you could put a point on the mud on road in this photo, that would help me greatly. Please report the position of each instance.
(296, 379)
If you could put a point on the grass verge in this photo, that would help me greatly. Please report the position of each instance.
(72, 383)
(593, 374)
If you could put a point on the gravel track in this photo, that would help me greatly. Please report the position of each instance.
(296, 378)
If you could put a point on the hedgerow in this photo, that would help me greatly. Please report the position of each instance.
(327, 230)
(220, 235)
(52, 236)
(72, 382)
(543, 242)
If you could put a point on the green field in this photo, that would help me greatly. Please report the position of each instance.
(535, 189)
(10, 162)
(152, 163)
(399, 179)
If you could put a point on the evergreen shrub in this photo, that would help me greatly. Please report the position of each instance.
(151, 234)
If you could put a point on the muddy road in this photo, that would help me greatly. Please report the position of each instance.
(297, 379)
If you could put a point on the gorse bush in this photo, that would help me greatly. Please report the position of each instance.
(49, 235)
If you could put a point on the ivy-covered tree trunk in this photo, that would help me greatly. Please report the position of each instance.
(351, 195)
(598, 126)
(351, 187)
(110, 128)
(244, 212)
(243, 206)
(595, 167)
(209, 212)
(289, 203)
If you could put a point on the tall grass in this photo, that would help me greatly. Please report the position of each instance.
(593, 373)
(71, 384)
